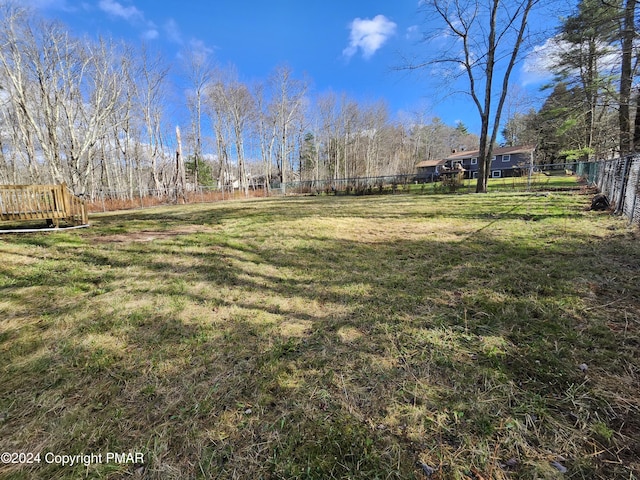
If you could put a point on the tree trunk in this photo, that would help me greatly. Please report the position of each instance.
(180, 184)
(626, 77)
(636, 130)
(484, 158)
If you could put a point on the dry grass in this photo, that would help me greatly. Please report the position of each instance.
(370, 337)
(115, 204)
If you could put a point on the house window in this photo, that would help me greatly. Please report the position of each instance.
(475, 174)
(474, 161)
(506, 158)
(496, 173)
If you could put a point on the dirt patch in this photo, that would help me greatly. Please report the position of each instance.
(150, 235)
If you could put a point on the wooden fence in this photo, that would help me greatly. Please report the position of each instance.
(42, 202)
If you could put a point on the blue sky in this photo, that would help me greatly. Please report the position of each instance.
(345, 46)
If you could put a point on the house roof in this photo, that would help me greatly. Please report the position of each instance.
(496, 151)
(431, 163)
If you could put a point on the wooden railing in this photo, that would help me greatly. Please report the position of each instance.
(42, 202)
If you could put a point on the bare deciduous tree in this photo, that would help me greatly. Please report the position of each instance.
(266, 129)
(152, 76)
(481, 40)
(287, 106)
(215, 104)
(199, 73)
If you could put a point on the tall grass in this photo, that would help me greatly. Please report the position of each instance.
(479, 336)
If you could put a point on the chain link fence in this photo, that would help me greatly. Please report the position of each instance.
(619, 180)
(520, 178)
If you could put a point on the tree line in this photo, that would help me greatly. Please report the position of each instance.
(99, 115)
(591, 111)
(593, 54)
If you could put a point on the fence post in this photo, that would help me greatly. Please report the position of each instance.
(636, 192)
(623, 188)
(530, 175)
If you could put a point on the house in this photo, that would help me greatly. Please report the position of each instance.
(429, 170)
(506, 161)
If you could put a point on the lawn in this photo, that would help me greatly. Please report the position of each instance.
(538, 181)
(403, 336)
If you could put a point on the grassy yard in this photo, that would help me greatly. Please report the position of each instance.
(410, 336)
(538, 181)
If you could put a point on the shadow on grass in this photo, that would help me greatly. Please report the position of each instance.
(268, 211)
(237, 355)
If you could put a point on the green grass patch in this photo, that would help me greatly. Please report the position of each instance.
(475, 336)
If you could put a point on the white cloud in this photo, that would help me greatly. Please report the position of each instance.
(151, 34)
(44, 3)
(51, 5)
(369, 35)
(412, 32)
(196, 52)
(173, 32)
(199, 50)
(130, 14)
(538, 65)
